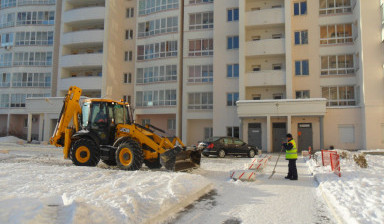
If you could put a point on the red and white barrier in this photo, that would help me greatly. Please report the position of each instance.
(245, 175)
(258, 164)
(331, 158)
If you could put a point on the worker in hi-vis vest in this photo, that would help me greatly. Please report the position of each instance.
(291, 156)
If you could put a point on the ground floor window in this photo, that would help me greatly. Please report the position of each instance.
(171, 124)
(347, 133)
(233, 132)
(145, 121)
(208, 132)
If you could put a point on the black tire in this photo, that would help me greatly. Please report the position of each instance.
(129, 156)
(153, 164)
(251, 153)
(110, 162)
(221, 153)
(85, 152)
(205, 154)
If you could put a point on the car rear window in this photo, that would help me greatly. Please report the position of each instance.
(211, 139)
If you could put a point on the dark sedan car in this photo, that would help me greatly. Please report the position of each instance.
(222, 146)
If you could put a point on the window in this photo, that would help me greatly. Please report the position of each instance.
(128, 34)
(233, 42)
(36, 2)
(145, 121)
(32, 59)
(31, 79)
(200, 47)
(233, 71)
(158, 26)
(7, 20)
(7, 3)
(256, 68)
(164, 73)
(208, 132)
(300, 8)
(157, 50)
(127, 99)
(171, 124)
(18, 100)
(339, 95)
(329, 7)
(6, 60)
(232, 98)
(301, 37)
(277, 66)
(200, 73)
(5, 79)
(302, 67)
(199, 1)
(156, 98)
(34, 38)
(302, 94)
(256, 97)
(6, 39)
(36, 18)
(337, 64)
(336, 34)
(233, 132)
(201, 20)
(130, 12)
(233, 14)
(347, 133)
(151, 6)
(128, 56)
(127, 78)
(4, 100)
(277, 96)
(200, 101)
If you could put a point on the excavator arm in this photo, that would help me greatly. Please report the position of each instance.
(70, 110)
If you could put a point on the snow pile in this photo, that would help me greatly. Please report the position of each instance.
(40, 193)
(11, 139)
(356, 196)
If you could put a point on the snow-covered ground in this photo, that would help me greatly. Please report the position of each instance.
(38, 186)
(358, 195)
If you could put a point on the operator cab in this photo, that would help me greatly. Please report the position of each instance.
(101, 117)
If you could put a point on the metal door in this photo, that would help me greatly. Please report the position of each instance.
(304, 131)
(279, 132)
(254, 134)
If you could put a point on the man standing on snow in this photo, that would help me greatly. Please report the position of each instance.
(291, 156)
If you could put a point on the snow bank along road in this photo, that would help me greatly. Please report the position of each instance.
(38, 186)
(274, 200)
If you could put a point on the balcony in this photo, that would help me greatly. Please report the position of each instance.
(81, 60)
(265, 17)
(85, 83)
(265, 78)
(83, 37)
(286, 107)
(84, 15)
(265, 47)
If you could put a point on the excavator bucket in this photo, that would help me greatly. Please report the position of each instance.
(181, 158)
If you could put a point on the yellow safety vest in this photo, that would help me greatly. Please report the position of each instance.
(291, 154)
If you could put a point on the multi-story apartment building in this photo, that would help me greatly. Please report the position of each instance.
(26, 49)
(305, 51)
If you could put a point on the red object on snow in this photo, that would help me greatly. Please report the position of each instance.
(331, 158)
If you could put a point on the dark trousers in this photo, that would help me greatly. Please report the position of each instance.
(292, 170)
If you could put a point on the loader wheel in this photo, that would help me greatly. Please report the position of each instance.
(251, 153)
(85, 153)
(129, 156)
(221, 153)
(153, 164)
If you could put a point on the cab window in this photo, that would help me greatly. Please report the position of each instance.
(119, 114)
(238, 142)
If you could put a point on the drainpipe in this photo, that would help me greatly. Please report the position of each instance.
(181, 76)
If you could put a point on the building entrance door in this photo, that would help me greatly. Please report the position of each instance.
(279, 132)
(304, 132)
(254, 134)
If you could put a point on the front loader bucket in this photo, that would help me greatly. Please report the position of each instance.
(180, 159)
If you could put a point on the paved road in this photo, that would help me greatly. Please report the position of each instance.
(274, 200)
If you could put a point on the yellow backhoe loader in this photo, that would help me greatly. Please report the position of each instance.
(92, 129)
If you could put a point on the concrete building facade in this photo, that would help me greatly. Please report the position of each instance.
(26, 57)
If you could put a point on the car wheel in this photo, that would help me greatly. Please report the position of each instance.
(251, 153)
(221, 153)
